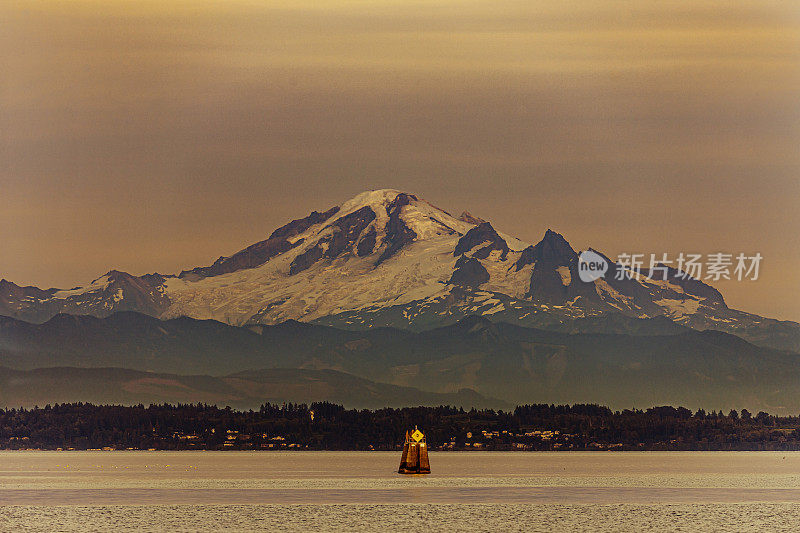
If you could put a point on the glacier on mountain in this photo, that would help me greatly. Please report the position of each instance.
(386, 257)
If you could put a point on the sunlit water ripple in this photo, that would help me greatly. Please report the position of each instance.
(314, 491)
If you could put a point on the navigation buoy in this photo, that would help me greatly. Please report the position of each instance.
(415, 454)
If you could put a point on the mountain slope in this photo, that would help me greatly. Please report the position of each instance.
(388, 258)
(515, 364)
(695, 369)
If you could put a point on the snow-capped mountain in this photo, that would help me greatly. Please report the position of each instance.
(387, 257)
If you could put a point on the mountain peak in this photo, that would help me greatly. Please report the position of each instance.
(469, 218)
(480, 234)
(556, 238)
(553, 248)
(376, 199)
(107, 278)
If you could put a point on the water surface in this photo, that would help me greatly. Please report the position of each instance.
(517, 491)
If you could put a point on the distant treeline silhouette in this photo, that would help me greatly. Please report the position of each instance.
(326, 426)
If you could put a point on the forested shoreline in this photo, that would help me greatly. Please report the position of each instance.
(326, 426)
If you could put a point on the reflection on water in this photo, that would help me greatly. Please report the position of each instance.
(360, 490)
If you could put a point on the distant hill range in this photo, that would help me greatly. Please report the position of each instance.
(389, 258)
(472, 362)
(244, 390)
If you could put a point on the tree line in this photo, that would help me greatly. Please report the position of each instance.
(327, 426)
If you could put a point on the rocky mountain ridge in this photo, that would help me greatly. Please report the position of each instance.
(389, 258)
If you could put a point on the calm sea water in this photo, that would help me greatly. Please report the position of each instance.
(321, 491)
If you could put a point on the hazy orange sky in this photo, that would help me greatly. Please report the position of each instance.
(157, 136)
